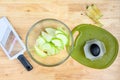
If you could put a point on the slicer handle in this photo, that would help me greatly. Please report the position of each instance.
(25, 62)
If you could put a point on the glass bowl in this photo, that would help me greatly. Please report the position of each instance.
(33, 34)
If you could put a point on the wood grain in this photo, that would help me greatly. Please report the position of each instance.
(24, 13)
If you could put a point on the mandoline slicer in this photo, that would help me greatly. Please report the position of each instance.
(12, 44)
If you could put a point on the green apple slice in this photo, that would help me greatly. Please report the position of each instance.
(39, 52)
(63, 38)
(54, 49)
(58, 43)
(48, 48)
(50, 31)
(57, 50)
(58, 32)
(62, 30)
(46, 36)
(40, 41)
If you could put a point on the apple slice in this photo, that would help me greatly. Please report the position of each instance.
(58, 43)
(40, 41)
(58, 32)
(62, 31)
(46, 36)
(48, 48)
(39, 52)
(50, 31)
(57, 50)
(63, 38)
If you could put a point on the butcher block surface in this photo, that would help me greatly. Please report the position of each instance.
(24, 13)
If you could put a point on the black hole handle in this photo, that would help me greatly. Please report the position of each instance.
(25, 62)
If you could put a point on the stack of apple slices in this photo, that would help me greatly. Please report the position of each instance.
(94, 13)
(51, 42)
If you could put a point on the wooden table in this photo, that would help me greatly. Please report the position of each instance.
(23, 13)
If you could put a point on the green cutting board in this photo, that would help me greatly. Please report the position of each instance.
(88, 32)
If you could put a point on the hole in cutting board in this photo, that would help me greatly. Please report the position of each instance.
(75, 35)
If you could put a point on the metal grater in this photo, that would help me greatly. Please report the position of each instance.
(11, 43)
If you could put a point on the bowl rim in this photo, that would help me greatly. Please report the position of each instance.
(69, 53)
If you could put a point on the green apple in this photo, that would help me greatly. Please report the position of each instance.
(62, 30)
(58, 43)
(51, 42)
(40, 41)
(63, 38)
(50, 31)
(46, 36)
(48, 48)
(39, 52)
(59, 32)
(57, 50)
